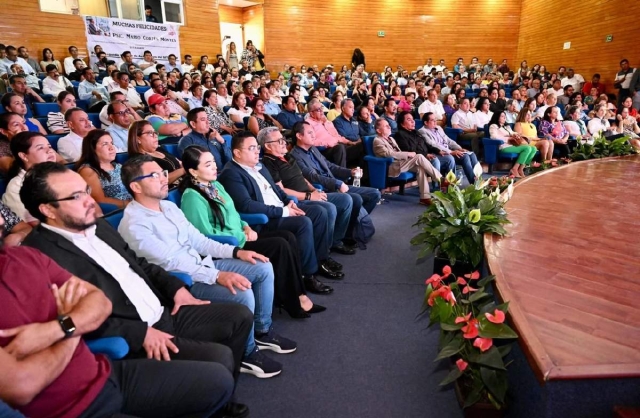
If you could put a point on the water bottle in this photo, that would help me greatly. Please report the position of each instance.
(357, 176)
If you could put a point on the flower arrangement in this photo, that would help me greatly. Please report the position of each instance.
(469, 323)
(601, 147)
(457, 219)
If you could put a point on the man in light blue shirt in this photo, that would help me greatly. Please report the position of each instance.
(173, 64)
(157, 230)
(270, 108)
(120, 117)
(13, 58)
(90, 90)
(308, 79)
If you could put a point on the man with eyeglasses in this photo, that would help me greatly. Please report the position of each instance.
(132, 96)
(167, 124)
(121, 118)
(337, 148)
(151, 309)
(55, 83)
(176, 103)
(202, 135)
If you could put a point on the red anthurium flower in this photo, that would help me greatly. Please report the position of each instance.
(434, 281)
(462, 365)
(468, 289)
(497, 317)
(483, 343)
(446, 271)
(471, 329)
(462, 319)
(461, 281)
(445, 293)
(473, 276)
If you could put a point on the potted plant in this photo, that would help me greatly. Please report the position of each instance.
(453, 226)
(601, 147)
(470, 322)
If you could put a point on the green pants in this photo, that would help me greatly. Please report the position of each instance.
(525, 152)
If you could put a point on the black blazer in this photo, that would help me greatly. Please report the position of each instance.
(124, 320)
(246, 193)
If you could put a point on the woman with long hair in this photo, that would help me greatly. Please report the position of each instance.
(513, 143)
(47, 58)
(98, 168)
(210, 209)
(182, 88)
(483, 115)
(55, 120)
(232, 56)
(554, 130)
(137, 79)
(526, 129)
(365, 122)
(28, 149)
(336, 108)
(259, 119)
(357, 59)
(14, 103)
(144, 140)
(218, 120)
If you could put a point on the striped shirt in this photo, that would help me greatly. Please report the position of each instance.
(56, 122)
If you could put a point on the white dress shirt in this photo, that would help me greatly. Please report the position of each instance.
(133, 97)
(70, 147)
(53, 87)
(137, 290)
(465, 120)
(11, 198)
(269, 196)
(435, 108)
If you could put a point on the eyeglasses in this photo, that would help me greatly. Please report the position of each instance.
(152, 133)
(253, 148)
(76, 196)
(122, 112)
(281, 141)
(156, 175)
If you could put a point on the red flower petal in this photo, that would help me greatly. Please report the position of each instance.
(473, 276)
(446, 271)
(434, 280)
(468, 289)
(462, 365)
(461, 281)
(497, 317)
(483, 343)
(462, 319)
(471, 329)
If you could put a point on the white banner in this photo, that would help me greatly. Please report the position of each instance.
(118, 35)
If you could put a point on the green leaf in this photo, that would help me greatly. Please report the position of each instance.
(486, 280)
(474, 395)
(488, 329)
(453, 375)
(477, 296)
(451, 327)
(454, 347)
(496, 382)
(505, 349)
(490, 358)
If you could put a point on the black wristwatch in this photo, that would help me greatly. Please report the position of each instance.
(67, 325)
(307, 196)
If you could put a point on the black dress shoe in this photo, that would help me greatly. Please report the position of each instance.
(333, 264)
(343, 249)
(326, 271)
(316, 309)
(297, 312)
(314, 285)
(233, 410)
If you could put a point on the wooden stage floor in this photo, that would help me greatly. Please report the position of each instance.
(570, 266)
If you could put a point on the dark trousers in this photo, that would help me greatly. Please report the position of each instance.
(563, 149)
(345, 155)
(282, 249)
(151, 388)
(214, 333)
(311, 232)
(96, 108)
(476, 141)
(362, 197)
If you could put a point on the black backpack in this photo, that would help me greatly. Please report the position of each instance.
(364, 229)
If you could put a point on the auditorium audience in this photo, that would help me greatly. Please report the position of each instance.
(574, 124)
(166, 124)
(513, 143)
(203, 135)
(70, 145)
(19, 86)
(121, 118)
(55, 83)
(365, 121)
(144, 140)
(176, 105)
(338, 149)
(288, 117)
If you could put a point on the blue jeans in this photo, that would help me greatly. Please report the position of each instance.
(468, 161)
(444, 163)
(338, 207)
(259, 299)
(363, 197)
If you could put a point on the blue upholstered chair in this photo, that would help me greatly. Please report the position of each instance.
(379, 166)
(42, 109)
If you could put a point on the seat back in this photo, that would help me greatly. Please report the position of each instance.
(122, 157)
(42, 109)
(367, 141)
(95, 120)
(53, 140)
(172, 149)
(175, 196)
(114, 218)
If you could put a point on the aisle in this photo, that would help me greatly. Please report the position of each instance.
(366, 356)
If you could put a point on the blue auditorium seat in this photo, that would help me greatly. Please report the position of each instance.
(113, 347)
(379, 166)
(43, 109)
(114, 218)
(171, 149)
(53, 140)
(95, 120)
(122, 157)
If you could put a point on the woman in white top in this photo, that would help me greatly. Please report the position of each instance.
(483, 114)
(28, 149)
(629, 127)
(513, 143)
(511, 112)
(599, 123)
(410, 87)
(55, 120)
(182, 88)
(239, 109)
(574, 125)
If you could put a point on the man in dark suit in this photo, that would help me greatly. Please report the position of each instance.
(317, 169)
(253, 191)
(152, 310)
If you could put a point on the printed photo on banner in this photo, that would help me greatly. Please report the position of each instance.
(118, 35)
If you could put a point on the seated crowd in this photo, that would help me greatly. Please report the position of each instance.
(232, 144)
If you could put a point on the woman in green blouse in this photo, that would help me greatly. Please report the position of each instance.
(210, 209)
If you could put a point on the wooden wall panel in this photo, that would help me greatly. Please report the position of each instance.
(545, 26)
(253, 20)
(230, 14)
(311, 32)
(24, 24)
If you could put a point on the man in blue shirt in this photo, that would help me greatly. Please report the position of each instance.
(270, 108)
(90, 90)
(346, 124)
(390, 109)
(288, 117)
(205, 137)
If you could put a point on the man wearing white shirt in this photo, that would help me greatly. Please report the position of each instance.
(441, 66)
(69, 67)
(464, 119)
(54, 83)
(132, 96)
(208, 67)
(427, 68)
(573, 79)
(556, 88)
(224, 99)
(433, 105)
(90, 90)
(70, 146)
(187, 65)
(147, 64)
(13, 58)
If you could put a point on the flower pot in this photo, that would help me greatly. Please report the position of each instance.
(480, 409)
